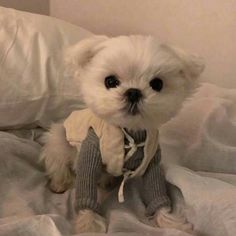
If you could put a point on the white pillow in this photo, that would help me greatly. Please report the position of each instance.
(33, 87)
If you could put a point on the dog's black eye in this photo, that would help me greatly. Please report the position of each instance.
(111, 82)
(156, 84)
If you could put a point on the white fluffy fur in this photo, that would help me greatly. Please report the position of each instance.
(134, 60)
(89, 221)
(166, 219)
(59, 157)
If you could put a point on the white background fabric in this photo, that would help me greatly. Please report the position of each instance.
(202, 138)
(33, 85)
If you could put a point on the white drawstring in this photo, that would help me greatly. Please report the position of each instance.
(121, 189)
(132, 145)
(133, 148)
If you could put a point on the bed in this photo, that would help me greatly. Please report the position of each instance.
(198, 145)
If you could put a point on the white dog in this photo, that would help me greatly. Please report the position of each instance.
(129, 84)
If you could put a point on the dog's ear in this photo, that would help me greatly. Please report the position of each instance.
(80, 54)
(193, 65)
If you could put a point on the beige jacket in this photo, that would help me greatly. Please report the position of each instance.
(111, 141)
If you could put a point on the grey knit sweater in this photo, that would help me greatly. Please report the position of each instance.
(89, 169)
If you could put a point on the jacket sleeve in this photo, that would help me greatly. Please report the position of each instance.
(155, 192)
(88, 172)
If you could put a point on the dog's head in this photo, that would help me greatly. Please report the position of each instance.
(133, 81)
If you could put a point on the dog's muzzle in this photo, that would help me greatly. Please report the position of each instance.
(133, 96)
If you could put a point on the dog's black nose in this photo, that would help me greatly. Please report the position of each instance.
(133, 95)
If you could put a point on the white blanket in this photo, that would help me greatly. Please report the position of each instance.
(201, 138)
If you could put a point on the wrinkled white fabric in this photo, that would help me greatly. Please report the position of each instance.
(34, 87)
(203, 135)
(202, 138)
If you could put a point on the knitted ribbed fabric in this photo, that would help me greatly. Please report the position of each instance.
(89, 169)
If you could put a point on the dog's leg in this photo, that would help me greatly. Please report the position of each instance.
(59, 157)
(166, 219)
(89, 221)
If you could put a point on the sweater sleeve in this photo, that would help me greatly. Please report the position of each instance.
(88, 171)
(155, 193)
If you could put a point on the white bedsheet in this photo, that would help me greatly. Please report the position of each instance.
(201, 137)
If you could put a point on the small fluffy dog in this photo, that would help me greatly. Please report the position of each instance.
(131, 86)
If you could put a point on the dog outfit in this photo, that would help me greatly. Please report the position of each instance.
(122, 153)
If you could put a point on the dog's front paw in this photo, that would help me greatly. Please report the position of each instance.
(59, 187)
(89, 221)
(166, 219)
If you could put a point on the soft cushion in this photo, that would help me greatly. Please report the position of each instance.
(34, 88)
